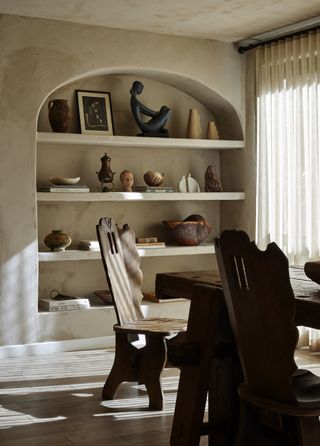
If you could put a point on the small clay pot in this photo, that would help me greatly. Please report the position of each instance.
(59, 115)
(57, 240)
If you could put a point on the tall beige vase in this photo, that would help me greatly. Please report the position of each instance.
(194, 129)
(212, 132)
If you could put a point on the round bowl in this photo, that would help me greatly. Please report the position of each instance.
(188, 233)
(153, 178)
(61, 181)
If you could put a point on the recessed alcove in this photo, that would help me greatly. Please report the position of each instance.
(78, 219)
(177, 92)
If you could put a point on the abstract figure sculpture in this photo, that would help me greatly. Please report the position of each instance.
(153, 127)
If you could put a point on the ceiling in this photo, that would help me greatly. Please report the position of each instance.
(226, 20)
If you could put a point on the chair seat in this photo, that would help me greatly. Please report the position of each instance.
(155, 326)
(306, 388)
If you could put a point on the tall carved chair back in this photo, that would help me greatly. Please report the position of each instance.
(261, 309)
(121, 262)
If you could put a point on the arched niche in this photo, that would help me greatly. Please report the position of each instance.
(178, 92)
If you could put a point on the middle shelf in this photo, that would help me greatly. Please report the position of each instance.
(75, 255)
(137, 196)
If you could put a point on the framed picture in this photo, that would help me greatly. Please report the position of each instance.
(95, 112)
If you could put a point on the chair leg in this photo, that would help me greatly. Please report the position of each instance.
(152, 359)
(309, 431)
(247, 424)
(125, 366)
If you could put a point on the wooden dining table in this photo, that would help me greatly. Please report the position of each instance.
(307, 292)
(225, 370)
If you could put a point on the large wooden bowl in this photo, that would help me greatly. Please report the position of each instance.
(188, 233)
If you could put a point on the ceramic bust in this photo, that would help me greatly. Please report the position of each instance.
(127, 180)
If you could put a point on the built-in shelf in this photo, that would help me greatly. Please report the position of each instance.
(136, 142)
(137, 196)
(73, 255)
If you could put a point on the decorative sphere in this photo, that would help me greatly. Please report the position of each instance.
(153, 178)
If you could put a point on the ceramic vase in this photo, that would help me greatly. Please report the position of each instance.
(212, 132)
(194, 129)
(59, 115)
(57, 240)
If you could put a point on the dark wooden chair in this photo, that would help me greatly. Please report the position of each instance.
(144, 365)
(261, 307)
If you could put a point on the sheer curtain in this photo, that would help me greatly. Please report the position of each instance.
(288, 147)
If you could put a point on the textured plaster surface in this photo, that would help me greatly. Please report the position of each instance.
(36, 58)
(230, 20)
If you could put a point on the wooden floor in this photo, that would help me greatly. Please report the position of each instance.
(55, 400)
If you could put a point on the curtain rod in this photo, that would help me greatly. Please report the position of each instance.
(244, 49)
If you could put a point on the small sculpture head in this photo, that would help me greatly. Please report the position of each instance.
(127, 180)
(137, 88)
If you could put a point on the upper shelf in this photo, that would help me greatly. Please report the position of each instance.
(136, 142)
(137, 196)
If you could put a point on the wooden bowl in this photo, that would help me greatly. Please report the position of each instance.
(188, 233)
(62, 181)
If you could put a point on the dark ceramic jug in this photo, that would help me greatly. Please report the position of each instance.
(59, 115)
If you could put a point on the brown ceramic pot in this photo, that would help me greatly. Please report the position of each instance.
(59, 115)
(57, 240)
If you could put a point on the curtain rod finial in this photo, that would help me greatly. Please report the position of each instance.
(242, 49)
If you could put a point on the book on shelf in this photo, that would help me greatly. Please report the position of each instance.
(151, 245)
(69, 188)
(153, 189)
(50, 304)
(89, 245)
(151, 297)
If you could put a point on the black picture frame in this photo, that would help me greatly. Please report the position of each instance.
(95, 112)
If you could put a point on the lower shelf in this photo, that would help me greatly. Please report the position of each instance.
(98, 321)
(72, 255)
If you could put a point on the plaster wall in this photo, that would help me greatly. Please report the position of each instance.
(36, 58)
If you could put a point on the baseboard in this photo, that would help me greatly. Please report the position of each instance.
(42, 348)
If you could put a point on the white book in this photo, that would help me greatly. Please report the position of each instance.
(65, 308)
(64, 189)
(48, 302)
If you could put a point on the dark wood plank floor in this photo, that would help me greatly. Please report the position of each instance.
(55, 400)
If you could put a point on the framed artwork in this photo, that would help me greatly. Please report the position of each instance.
(95, 112)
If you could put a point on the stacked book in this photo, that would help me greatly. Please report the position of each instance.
(89, 245)
(149, 242)
(64, 188)
(151, 245)
(153, 189)
(76, 303)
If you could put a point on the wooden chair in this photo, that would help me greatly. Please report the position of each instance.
(261, 309)
(144, 365)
